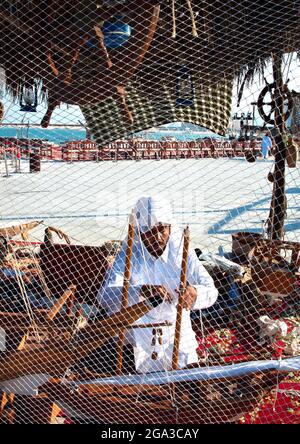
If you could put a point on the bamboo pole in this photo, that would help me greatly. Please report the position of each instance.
(124, 303)
(182, 288)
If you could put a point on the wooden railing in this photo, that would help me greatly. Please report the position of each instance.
(87, 150)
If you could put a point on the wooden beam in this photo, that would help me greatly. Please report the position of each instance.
(60, 302)
(278, 200)
(59, 355)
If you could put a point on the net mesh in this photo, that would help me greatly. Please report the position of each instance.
(149, 249)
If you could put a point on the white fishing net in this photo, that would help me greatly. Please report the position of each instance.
(122, 124)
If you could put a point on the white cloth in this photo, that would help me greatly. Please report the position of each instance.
(197, 374)
(165, 270)
(150, 211)
(269, 329)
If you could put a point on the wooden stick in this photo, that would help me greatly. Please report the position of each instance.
(182, 288)
(56, 357)
(103, 53)
(173, 19)
(278, 213)
(70, 305)
(60, 302)
(120, 98)
(95, 90)
(124, 304)
(194, 27)
(153, 325)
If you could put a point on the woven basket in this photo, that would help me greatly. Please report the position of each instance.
(243, 243)
(271, 278)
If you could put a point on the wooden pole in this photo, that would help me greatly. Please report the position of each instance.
(182, 288)
(125, 292)
(278, 199)
(5, 163)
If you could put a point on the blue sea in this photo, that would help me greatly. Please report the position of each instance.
(61, 135)
(55, 135)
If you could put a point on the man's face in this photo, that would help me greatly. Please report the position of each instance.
(156, 239)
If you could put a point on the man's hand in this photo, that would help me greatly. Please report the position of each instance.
(155, 290)
(189, 297)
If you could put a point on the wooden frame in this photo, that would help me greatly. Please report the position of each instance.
(66, 87)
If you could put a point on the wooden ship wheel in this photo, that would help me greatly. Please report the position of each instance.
(82, 70)
(271, 104)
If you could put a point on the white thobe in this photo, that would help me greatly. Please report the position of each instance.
(160, 271)
(266, 145)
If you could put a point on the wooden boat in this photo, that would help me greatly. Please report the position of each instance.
(195, 395)
(53, 352)
(192, 396)
(55, 356)
(31, 364)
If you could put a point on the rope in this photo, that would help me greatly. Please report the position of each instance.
(173, 20)
(194, 28)
(288, 392)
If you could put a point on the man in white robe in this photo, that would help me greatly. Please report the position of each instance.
(266, 146)
(155, 268)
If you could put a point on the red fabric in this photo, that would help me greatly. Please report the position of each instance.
(281, 409)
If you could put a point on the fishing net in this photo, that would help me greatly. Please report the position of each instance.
(149, 248)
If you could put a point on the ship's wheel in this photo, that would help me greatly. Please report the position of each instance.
(79, 79)
(268, 99)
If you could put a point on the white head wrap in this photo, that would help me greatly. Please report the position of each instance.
(151, 210)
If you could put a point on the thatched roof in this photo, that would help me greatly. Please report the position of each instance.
(234, 38)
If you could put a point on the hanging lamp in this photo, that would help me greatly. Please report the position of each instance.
(28, 97)
(185, 91)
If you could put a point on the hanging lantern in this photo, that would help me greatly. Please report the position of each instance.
(116, 32)
(28, 97)
(185, 92)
